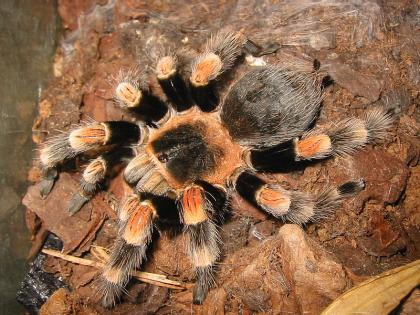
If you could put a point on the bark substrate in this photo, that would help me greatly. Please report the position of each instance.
(369, 48)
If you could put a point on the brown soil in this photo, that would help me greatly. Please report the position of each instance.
(369, 48)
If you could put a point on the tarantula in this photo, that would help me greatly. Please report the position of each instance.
(191, 156)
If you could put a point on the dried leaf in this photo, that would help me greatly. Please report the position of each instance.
(378, 295)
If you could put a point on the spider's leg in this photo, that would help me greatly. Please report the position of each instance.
(295, 206)
(220, 53)
(168, 72)
(136, 223)
(198, 210)
(93, 136)
(132, 92)
(94, 175)
(342, 138)
(257, 51)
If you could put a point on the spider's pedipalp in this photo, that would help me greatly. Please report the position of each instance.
(219, 55)
(197, 212)
(129, 249)
(143, 173)
(128, 207)
(153, 182)
(294, 206)
(94, 176)
(49, 176)
(137, 168)
(172, 84)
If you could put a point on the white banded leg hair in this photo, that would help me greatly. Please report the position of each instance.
(294, 206)
(342, 138)
(346, 136)
(136, 222)
(131, 92)
(82, 138)
(168, 72)
(220, 53)
(196, 212)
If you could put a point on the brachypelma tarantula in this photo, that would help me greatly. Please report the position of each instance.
(191, 157)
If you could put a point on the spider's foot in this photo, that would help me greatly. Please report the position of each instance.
(199, 293)
(257, 51)
(47, 183)
(77, 202)
(45, 187)
(109, 300)
(351, 188)
(107, 303)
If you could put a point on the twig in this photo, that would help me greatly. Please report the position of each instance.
(73, 259)
(152, 278)
(102, 254)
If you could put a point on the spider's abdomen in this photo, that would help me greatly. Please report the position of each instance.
(194, 146)
(270, 105)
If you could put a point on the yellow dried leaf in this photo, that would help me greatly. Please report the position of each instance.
(378, 295)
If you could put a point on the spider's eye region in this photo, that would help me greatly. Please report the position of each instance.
(163, 157)
(185, 152)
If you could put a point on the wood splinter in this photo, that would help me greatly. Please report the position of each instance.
(147, 277)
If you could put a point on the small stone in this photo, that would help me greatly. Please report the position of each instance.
(356, 83)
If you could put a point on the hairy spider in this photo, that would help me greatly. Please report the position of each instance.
(191, 156)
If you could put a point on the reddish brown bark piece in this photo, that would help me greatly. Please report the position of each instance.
(316, 277)
(356, 83)
(383, 240)
(75, 231)
(70, 11)
(288, 273)
(64, 302)
(388, 179)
